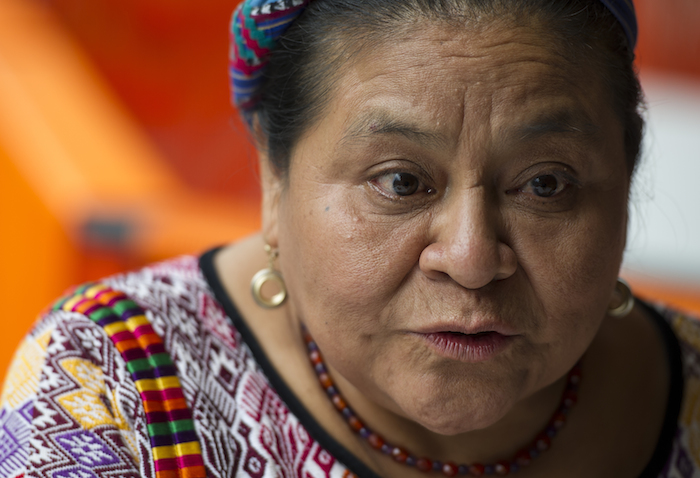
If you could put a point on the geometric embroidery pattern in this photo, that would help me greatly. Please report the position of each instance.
(75, 473)
(15, 431)
(87, 449)
(174, 443)
(80, 406)
(87, 404)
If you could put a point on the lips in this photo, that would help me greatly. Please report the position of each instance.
(473, 347)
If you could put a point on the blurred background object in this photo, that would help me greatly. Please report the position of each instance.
(118, 147)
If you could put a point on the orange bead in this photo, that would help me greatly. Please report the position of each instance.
(315, 357)
(339, 402)
(375, 441)
(325, 380)
(354, 423)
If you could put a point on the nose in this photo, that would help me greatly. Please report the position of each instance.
(467, 244)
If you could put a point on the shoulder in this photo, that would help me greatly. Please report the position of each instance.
(684, 460)
(178, 302)
(93, 368)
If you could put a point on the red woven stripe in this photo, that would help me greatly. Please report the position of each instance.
(167, 394)
(84, 304)
(189, 461)
(143, 330)
(161, 406)
(250, 42)
(122, 336)
(165, 464)
(244, 67)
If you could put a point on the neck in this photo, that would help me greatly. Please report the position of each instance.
(500, 441)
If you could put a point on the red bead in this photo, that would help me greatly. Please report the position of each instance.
(338, 402)
(325, 380)
(315, 357)
(354, 423)
(424, 464)
(477, 469)
(449, 469)
(399, 454)
(502, 468)
(523, 458)
(543, 443)
(375, 441)
(559, 420)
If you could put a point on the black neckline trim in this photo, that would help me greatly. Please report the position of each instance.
(652, 470)
(339, 452)
(675, 395)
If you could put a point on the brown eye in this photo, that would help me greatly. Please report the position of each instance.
(404, 184)
(546, 185)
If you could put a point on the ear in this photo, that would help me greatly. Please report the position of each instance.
(271, 194)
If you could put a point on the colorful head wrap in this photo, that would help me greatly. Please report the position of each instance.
(255, 27)
(257, 24)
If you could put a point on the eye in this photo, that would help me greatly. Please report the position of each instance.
(400, 184)
(545, 186)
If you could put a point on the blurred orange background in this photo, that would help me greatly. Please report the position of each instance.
(118, 145)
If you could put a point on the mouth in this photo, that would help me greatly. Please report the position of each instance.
(468, 347)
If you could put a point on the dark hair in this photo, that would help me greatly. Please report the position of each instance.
(305, 65)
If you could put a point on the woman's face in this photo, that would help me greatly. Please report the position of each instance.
(450, 232)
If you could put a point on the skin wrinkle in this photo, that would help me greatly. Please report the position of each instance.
(354, 272)
(368, 269)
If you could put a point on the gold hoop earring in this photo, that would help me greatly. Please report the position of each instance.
(266, 275)
(625, 307)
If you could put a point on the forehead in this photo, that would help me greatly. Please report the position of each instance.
(444, 82)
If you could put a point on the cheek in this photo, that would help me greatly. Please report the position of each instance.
(572, 266)
(341, 264)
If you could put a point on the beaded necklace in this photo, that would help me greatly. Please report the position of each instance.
(524, 457)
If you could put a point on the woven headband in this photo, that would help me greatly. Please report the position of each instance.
(257, 24)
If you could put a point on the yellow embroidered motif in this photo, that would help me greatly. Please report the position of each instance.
(123, 424)
(25, 370)
(88, 405)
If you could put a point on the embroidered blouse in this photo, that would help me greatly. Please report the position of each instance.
(155, 374)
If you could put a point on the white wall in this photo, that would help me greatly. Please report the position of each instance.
(664, 233)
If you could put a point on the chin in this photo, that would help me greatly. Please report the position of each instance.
(466, 413)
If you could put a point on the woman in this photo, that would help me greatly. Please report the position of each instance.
(445, 193)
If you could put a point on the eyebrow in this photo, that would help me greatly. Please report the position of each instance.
(564, 122)
(383, 123)
(554, 123)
